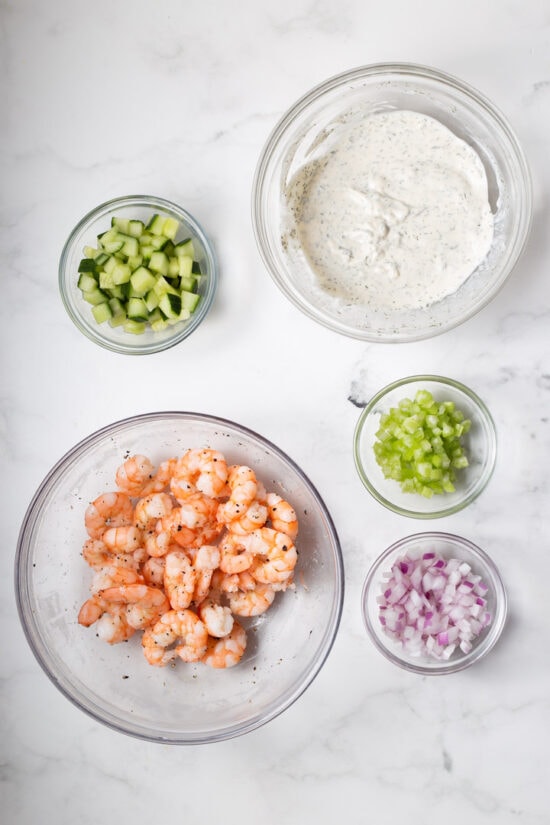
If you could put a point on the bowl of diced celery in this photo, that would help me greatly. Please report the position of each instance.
(425, 446)
(137, 274)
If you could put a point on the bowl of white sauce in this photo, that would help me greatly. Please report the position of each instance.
(391, 202)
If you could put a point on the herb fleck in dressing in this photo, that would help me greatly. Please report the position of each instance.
(396, 215)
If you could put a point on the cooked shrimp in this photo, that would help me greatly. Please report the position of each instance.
(152, 508)
(243, 486)
(216, 618)
(254, 517)
(112, 576)
(144, 603)
(132, 476)
(180, 627)
(232, 582)
(161, 479)
(275, 554)
(157, 544)
(226, 652)
(206, 560)
(179, 579)
(153, 571)
(193, 523)
(96, 553)
(235, 556)
(108, 510)
(203, 471)
(282, 515)
(252, 602)
(112, 625)
(126, 539)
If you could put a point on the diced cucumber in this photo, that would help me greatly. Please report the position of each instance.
(95, 296)
(121, 224)
(156, 224)
(136, 228)
(170, 304)
(102, 312)
(173, 267)
(185, 266)
(170, 228)
(189, 284)
(135, 327)
(136, 309)
(87, 282)
(121, 273)
(138, 276)
(185, 248)
(152, 300)
(106, 280)
(159, 263)
(142, 280)
(87, 265)
(189, 300)
(130, 245)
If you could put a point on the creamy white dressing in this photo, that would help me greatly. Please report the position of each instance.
(395, 215)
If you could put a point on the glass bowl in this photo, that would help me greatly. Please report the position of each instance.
(191, 703)
(479, 445)
(304, 135)
(448, 547)
(139, 207)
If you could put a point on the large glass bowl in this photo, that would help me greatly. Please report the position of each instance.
(448, 546)
(479, 444)
(304, 134)
(139, 207)
(190, 703)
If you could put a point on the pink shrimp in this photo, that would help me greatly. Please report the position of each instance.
(275, 555)
(125, 539)
(108, 510)
(255, 516)
(97, 555)
(153, 571)
(161, 480)
(243, 486)
(182, 628)
(282, 515)
(235, 556)
(111, 622)
(192, 523)
(112, 575)
(203, 471)
(216, 618)
(152, 508)
(179, 580)
(144, 603)
(133, 476)
(252, 602)
(226, 652)
(206, 560)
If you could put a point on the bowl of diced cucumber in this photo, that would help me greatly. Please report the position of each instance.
(425, 446)
(137, 274)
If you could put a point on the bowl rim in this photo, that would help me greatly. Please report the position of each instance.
(406, 69)
(23, 557)
(196, 318)
(484, 477)
(479, 651)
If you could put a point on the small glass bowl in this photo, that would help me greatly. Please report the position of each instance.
(479, 445)
(304, 135)
(448, 546)
(140, 207)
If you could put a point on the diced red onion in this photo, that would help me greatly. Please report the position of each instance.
(433, 606)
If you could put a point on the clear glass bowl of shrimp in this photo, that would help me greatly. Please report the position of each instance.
(183, 702)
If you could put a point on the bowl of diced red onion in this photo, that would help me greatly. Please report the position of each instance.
(434, 603)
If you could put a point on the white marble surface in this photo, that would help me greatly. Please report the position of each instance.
(176, 99)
